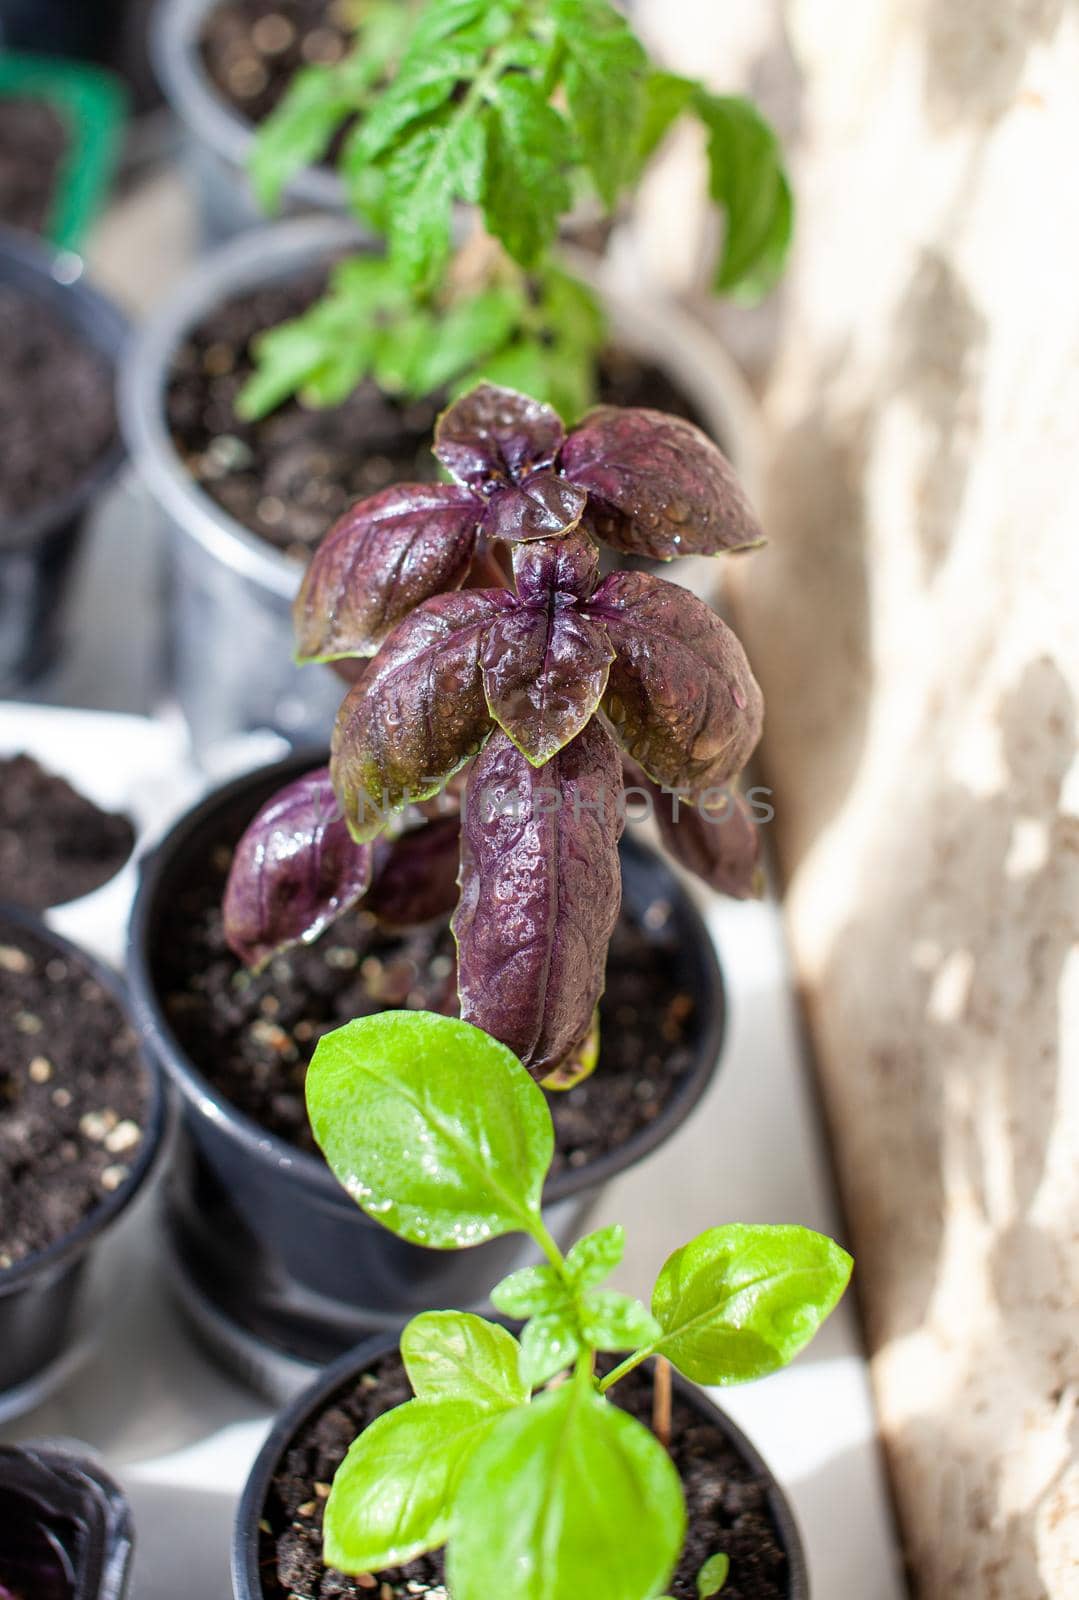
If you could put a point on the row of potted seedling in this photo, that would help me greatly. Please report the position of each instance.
(378, 977)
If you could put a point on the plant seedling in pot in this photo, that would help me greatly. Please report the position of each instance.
(511, 1454)
(479, 760)
(519, 109)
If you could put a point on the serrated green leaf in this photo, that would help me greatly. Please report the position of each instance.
(297, 133)
(549, 1344)
(666, 96)
(434, 1128)
(613, 1321)
(739, 1302)
(442, 160)
(526, 191)
(453, 1355)
(604, 80)
(463, 337)
(594, 1258)
(392, 1496)
(748, 180)
(529, 1293)
(572, 1497)
(713, 1575)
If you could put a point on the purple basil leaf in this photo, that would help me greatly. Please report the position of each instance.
(494, 436)
(415, 877)
(542, 507)
(680, 694)
(544, 673)
(657, 486)
(296, 870)
(560, 570)
(381, 560)
(717, 840)
(540, 893)
(418, 713)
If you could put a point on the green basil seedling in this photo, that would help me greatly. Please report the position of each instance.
(510, 1454)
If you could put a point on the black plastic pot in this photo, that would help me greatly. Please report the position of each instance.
(247, 1566)
(41, 1297)
(37, 551)
(263, 1232)
(65, 1527)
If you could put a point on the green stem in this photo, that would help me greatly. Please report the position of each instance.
(547, 1244)
(626, 1367)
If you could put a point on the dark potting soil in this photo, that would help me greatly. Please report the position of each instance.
(55, 845)
(33, 142)
(253, 1035)
(57, 416)
(726, 1502)
(73, 1095)
(252, 49)
(290, 476)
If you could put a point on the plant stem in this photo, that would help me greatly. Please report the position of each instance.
(661, 1402)
(548, 1246)
(625, 1368)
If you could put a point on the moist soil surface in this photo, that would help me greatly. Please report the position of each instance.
(253, 1035)
(55, 845)
(726, 1502)
(57, 416)
(291, 475)
(73, 1095)
(252, 49)
(33, 142)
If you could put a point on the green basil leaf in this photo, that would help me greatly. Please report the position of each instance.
(749, 182)
(434, 1128)
(526, 191)
(613, 1321)
(713, 1575)
(571, 1496)
(529, 1292)
(594, 1258)
(739, 1302)
(453, 1355)
(604, 80)
(392, 1495)
(549, 1344)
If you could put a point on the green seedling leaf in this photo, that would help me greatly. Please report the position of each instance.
(572, 1497)
(392, 1496)
(526, 191)
(594, 1258)
(604, 80)
(549, 1344)
(713, 1575)
(666, 97)
(297, 134)
(441, 161)
(739, 1302)
(453, 1355)
(749, 182)
(529, 1293)
(613, 1321)
(434, 1128)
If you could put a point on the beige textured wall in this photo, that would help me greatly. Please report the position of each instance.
(915, 622)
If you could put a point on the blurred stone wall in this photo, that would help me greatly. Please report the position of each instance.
(915, 624)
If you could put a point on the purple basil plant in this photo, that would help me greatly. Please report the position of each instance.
(480, 761)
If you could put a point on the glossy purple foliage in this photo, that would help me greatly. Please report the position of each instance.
(295, 870)
(680, 694)
(540, 894)
(415, 878)
(388, 555)
(657, 486)
(717, 839)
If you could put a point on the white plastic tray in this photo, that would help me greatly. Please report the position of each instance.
(181, 1436)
